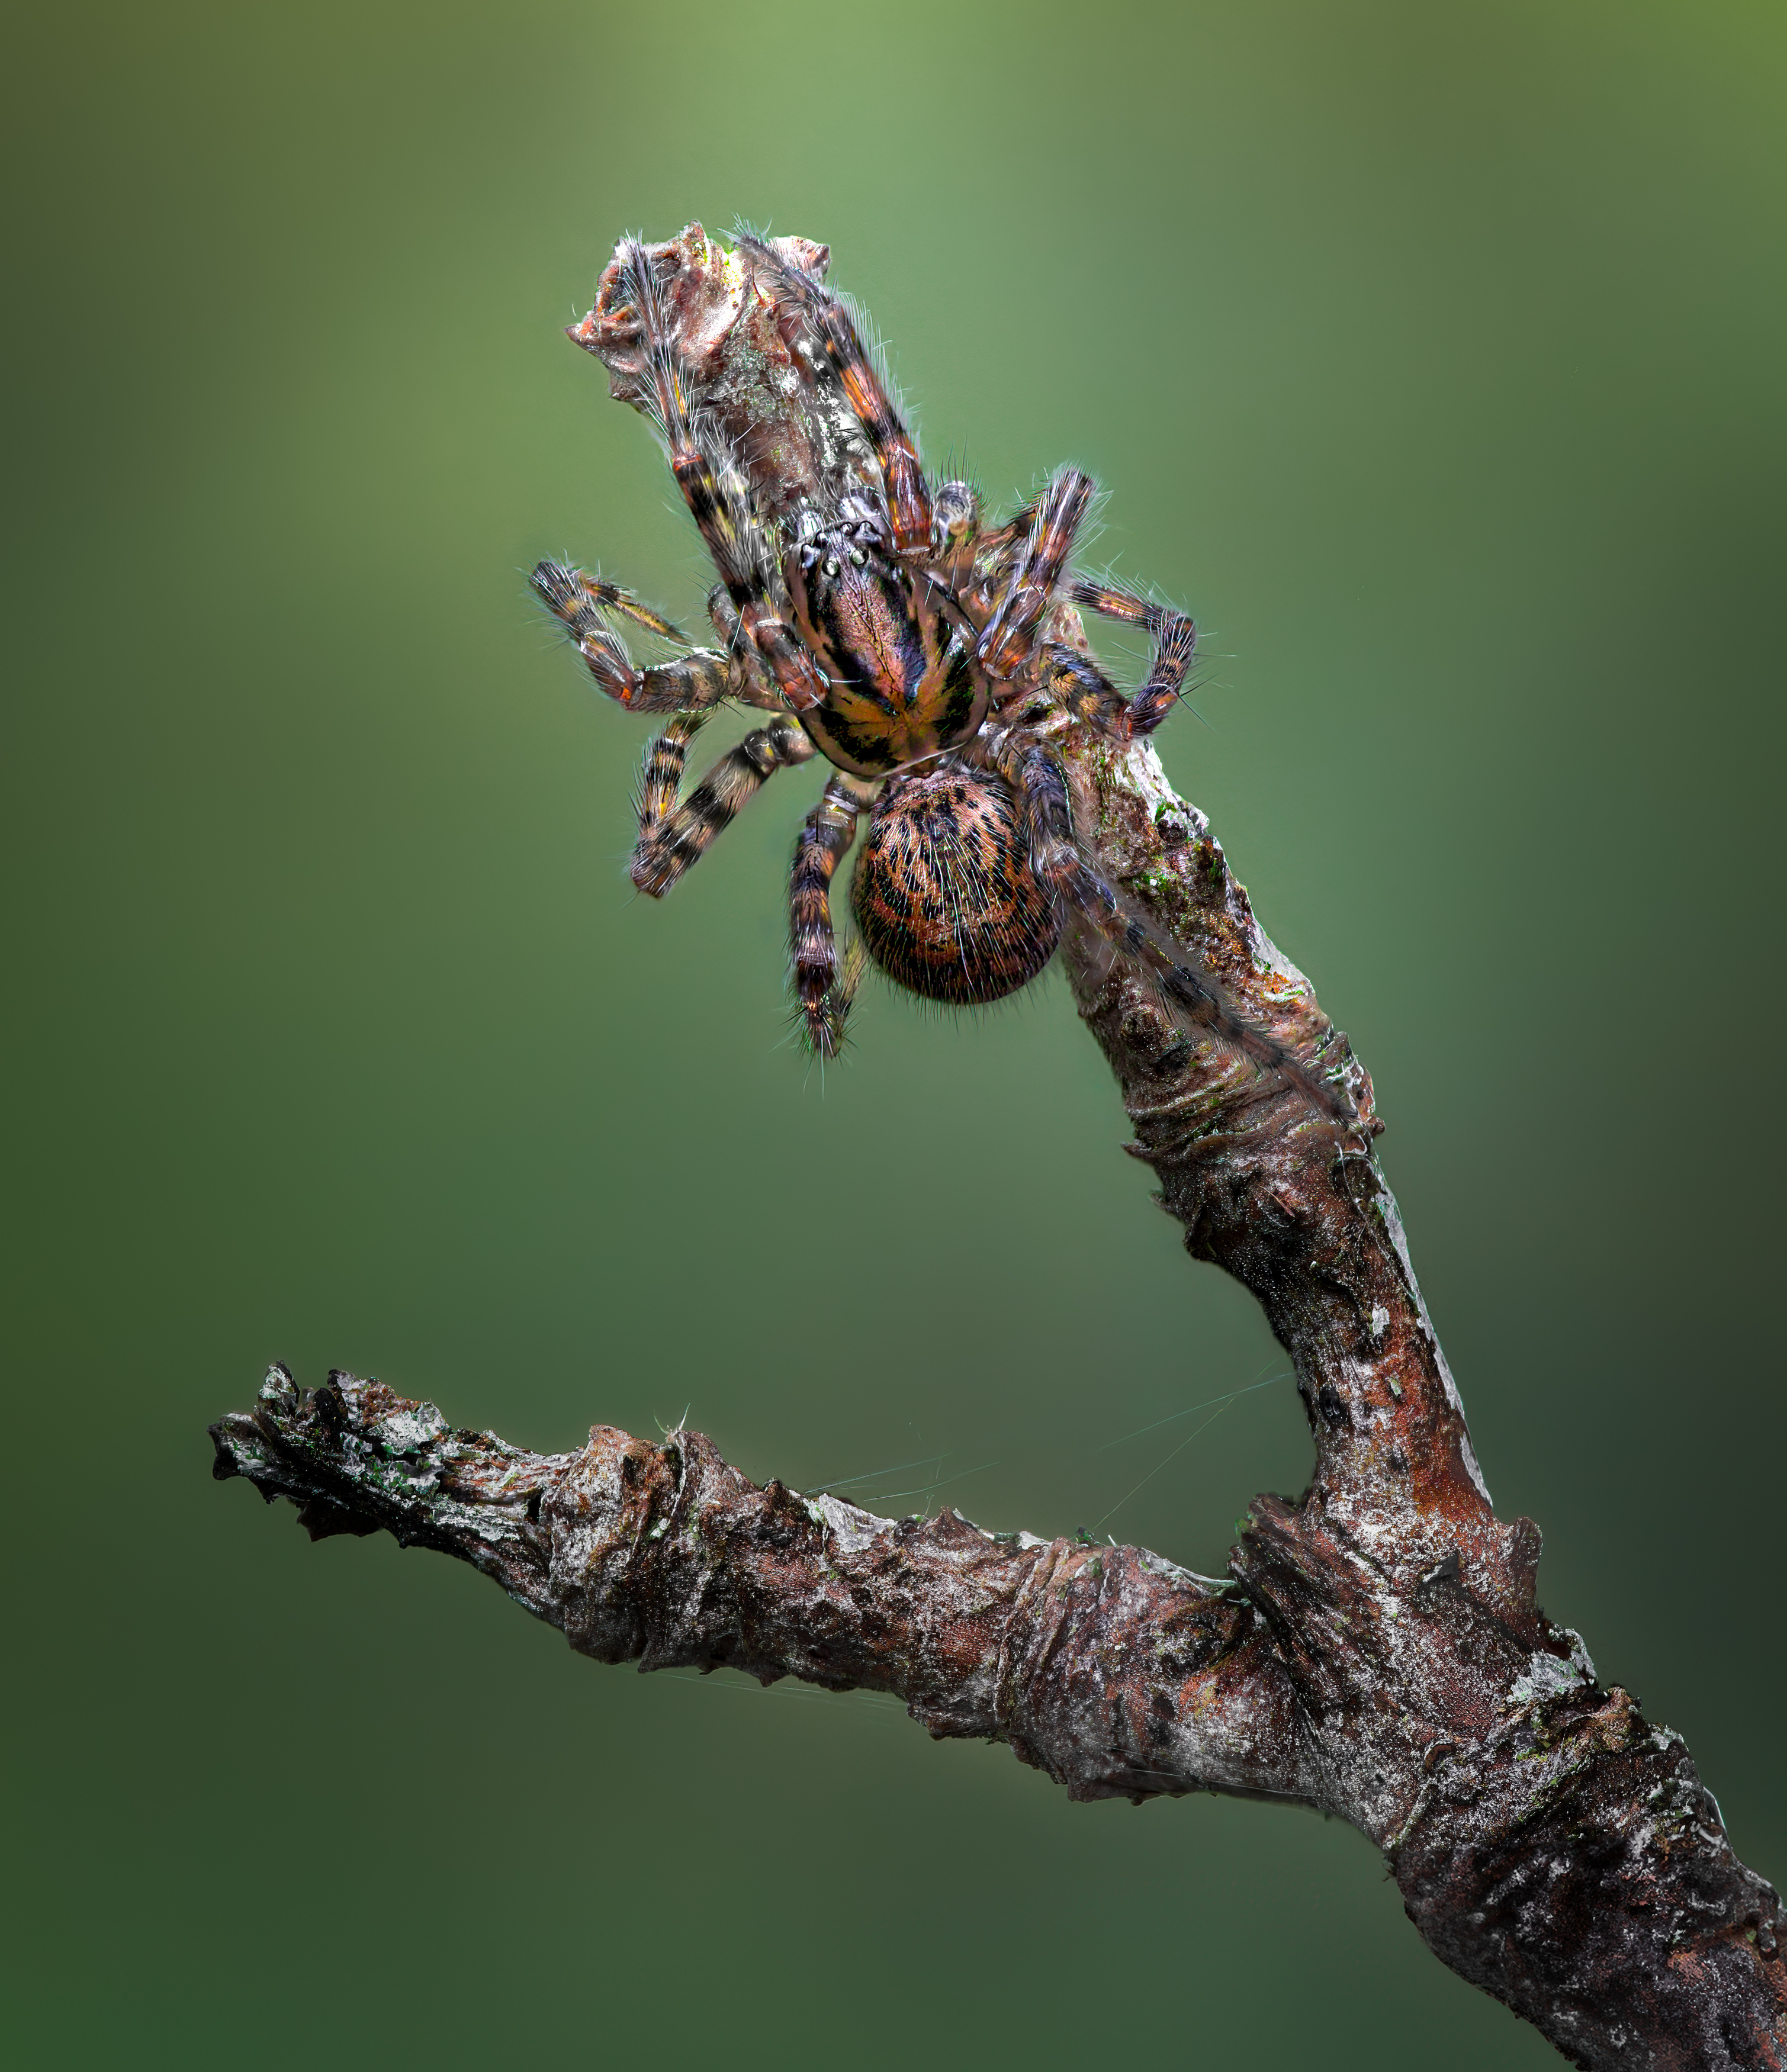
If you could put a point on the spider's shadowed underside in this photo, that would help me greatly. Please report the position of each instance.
(883, 626)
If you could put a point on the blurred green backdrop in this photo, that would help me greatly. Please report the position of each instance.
(1432, 354)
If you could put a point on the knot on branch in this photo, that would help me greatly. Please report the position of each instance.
(1400, 1636)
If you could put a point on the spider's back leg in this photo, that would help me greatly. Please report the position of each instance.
(716, 491)
(822, 992)
(797, 294)
(1055, 856)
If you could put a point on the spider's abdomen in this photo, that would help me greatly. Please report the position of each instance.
(944, 894)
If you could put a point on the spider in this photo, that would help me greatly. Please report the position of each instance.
(887, 629)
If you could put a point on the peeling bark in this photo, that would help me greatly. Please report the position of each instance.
(1377, 1651)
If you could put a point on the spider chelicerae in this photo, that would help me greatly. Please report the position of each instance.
(886, 628)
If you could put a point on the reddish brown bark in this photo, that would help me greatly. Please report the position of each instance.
(1377, 1649)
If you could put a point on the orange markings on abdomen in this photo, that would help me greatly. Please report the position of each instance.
(944, 894)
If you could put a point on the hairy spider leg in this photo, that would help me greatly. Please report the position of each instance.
(1077, 682)
(696, 681)
(717, 493)
(1176, 645)
(821, 992)
(908, 499)
(1055, 856)
(1005, 645)
(1090, 695)
(754, 685)
(679, 837)
(661, 775)
(610, 597)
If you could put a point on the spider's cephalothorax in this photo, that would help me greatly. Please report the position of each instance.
(902, 680)
(880, 624)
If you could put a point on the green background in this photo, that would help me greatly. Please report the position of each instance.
(1432, 354)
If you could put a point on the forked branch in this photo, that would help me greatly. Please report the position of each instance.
(1377, 1649)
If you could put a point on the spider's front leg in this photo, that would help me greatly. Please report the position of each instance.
(671, 837)
(694, 682)
(1057, 858)
(822, 991)
(1011, 633)
(755, 686)
(1090, 695)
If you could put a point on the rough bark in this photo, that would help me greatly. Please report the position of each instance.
(1377, 1649)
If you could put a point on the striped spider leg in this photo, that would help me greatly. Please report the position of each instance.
(801, 302)
(690, 688)
(1084, 690)
(582, 604)
(716, 491)
(1010, 634)
(1058, 858)
(822, 991)
(1037, 570)
(673, 836)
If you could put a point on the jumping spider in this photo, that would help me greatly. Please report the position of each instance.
(890, 631)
